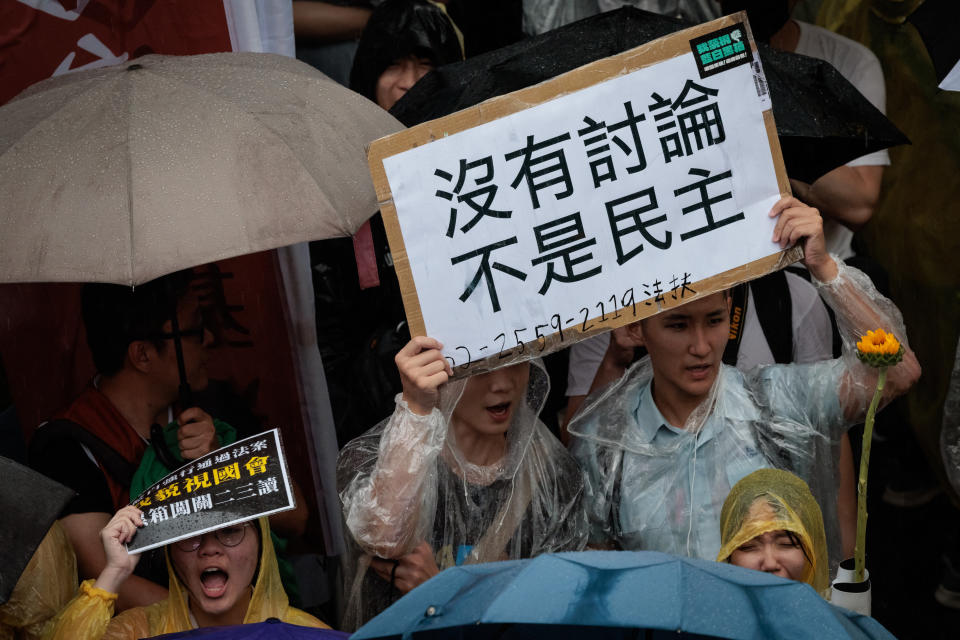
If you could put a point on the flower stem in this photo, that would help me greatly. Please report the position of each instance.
(859, 554)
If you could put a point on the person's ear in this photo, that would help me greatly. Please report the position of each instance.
(140, 355)
(634, 332)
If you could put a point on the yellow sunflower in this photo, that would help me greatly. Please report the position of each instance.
(879, 349)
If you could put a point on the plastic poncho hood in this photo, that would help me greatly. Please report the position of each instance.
(406, 481)
(89, 614)
(401, 28)
(791, 508)
(269, 600)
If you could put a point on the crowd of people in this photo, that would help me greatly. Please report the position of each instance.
(674, 437)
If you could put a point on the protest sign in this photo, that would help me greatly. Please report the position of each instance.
(244, 480)
(589, 201)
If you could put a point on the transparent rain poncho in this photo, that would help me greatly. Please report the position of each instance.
(655, 487)
(776, 500)
(528, 503)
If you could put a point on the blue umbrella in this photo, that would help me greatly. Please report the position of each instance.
(268, 630)
(614, 594)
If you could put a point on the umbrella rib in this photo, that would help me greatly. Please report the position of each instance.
(44, 119)
(344, 222)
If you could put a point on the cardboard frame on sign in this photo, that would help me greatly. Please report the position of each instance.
(501, 106)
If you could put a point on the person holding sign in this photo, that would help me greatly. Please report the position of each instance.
(663, 445)
(224, 577)
(463, 472)
(95, 445)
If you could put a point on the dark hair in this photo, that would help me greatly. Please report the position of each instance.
(797, 542)
(115, 315)
(794, 540)
(398, 29)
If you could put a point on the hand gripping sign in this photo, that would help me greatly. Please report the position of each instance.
(235, 483)
(589, 201)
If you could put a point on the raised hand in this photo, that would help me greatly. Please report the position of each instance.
(799, 223)
(118, 532)
(422, 370)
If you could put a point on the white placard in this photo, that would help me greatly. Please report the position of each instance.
(549, 220)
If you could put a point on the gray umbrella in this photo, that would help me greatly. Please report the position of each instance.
(126, 173)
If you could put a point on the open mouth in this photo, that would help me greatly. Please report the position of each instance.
(214, 582)
(699, 371)
(499, 412)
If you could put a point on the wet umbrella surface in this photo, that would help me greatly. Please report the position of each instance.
(126, 173)
(822, 121)
(614, 594)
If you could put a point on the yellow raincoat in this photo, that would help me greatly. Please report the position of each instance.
(88, 616)
(794, 509)
(44, 588)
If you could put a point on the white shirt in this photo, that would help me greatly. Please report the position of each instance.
(862, 69)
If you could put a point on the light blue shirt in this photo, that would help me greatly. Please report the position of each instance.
(654, 486)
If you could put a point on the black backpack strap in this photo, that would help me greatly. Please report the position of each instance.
(738, 314)
(113, 463)
(771, 296)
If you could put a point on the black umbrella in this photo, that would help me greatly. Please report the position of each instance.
(822, 120)
(30, 502)
(936, 22)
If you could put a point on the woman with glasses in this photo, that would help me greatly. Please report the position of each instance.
(224, 577)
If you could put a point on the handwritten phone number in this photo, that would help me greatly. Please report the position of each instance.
(627, 303)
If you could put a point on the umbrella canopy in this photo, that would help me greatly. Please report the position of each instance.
(271, 629)
(936, 21)
(822, 120)
(33, 502)
(126, 173)
(611, 594)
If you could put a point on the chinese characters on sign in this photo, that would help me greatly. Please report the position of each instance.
(238, 482)
(684, 126)
(590, 209)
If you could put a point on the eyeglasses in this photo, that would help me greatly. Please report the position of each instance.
(228, 536)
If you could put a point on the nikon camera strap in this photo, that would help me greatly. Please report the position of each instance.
(738, 314)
